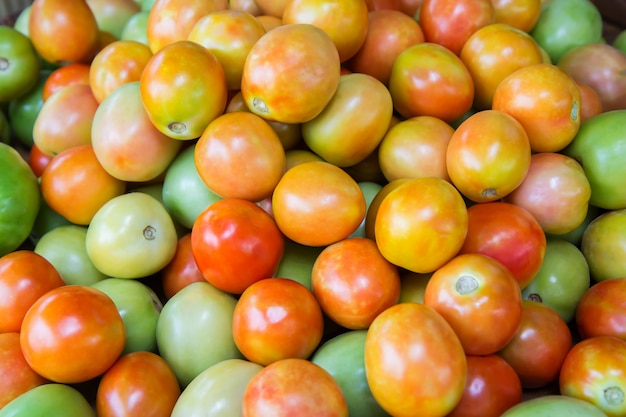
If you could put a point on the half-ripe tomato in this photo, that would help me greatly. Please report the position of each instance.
(248, 6)
(427, 79)
(508, 233)
(590, 104)
(539, 347)
(138, 384)
(406, 343)
(488, 156)
(74, 73)
(604, 245)
(479, 298)
(269, 22)
(372, 210)
(291, 73)
(72, 334)
(317, 203)
(594, 370)
(200, 92)
(520, 14)
(236, 243)
(182, 269)
(545, 100)
(75, 185)
(421, 224)
(601, 311)
(354, 283)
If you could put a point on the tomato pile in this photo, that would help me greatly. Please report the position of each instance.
(268, 208)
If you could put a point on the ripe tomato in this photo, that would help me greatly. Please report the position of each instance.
(539, 347)
(421, 224)
(74, 73)
(594, 370)
(601, 310)
(354, 283)
(291, 73)
(520, 14)
(488, 156)
(277, 318)
(182, 270)
(479, 298)
(138, 384)
(231, 139)
(509, 234)
(316, 204)
(404, 343)
(72, 334)
(37, 160)
(236, 243)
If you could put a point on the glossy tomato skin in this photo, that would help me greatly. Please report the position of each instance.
(75, 73)
(603, 242)
(72, 334)
(21, 64)
(236, 243)
(520, 14)
(601, 310)
(594, 371)
(182, 270)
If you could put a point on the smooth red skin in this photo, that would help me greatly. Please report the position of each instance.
(293, 387)
(37, 160)
(76, 73)
(539, 347)
(236, 243)
(602, 310)
(509, 234)
(182, 269)
(354, 283)
(492, 387)
(139, 384)
(24, 277)
(16, 376)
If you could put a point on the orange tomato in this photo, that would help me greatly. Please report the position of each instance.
(269, 22)
(182, 270)
(546, 101)
(520, 14)
(16, 376)
(372, 211)
(248, 6)
(590, 104)
(272, 7)
(291, 73)
(75, 73)
(488, 156)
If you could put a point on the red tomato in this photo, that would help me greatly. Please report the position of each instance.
(492, 387)
(236, 243)
(405, 343)
(538, 349)
(72, 334)
(479, 298)
(138, 384)
(601, 311)
(354, 283)
(37, 160)
(509, 234)
(277, 318)
(75, 73)
(24, 277)
(182, 269)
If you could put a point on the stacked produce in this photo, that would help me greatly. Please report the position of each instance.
(312, 207)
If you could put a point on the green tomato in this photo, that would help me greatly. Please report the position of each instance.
(21, 22)
(19, 199)
(156, 191)
(620, 41)
(139, 307)
(49, 400)
(135, 28)
(554, 405)
(131, 236)
(604, 245)
(369, 190)
(562, 279)
(19, 64)
(194, 330)
(64, 247)
(297, 262)
(565, 24)
(24, 110)
(47, 219)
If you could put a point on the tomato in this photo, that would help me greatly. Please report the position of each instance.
(450, 22)
(182, 270)
(112, 15)
(291, 387)
(273, 8)
(200, 94)
(427, 79)
(72, 333)
(19, 199)
(389, 32)
(492, 53)
(23, 111)
(395, 373)
(603, 245)
(594, 371)
(74, 73)
(291, 73)
(564, 24)
(269, 22)
(590, 104)
(350, 127)
(138, 384)
(552, 405)
(413, 286)
(354, 283)
(216, 391)
(520, 14)
(135, 28)
(194, 330)
(345, 21)
(19, 64)
(539, 347)
(369, 189)
(508, 233)
(479, 298)
(562, 279)
(63, 30)
(248, 6)
(51, 400)
(230, 139)
(17, 377)
(372, 210)
(601, 310)
(555, 191)
(317, 204)
(492, 388)
(297, 262)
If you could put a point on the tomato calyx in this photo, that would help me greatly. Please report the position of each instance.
(149, 233)
(489, 192)
(466, 284)
(4, 64)
(613, 395)
(259, 105)
(535, 297)
(177, 127)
